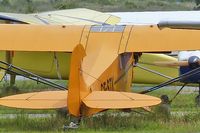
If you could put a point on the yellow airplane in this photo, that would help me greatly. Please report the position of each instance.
(101, 61)
(53, 64)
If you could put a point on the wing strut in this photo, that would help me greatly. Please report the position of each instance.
(19, 71)
(181, 77)
(152, 71)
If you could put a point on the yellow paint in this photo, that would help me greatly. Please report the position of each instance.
(103, 62)
(78, 16)
(43, 64)
(65, 38)
(118, 100)
(2, 58)
(36, 100)
(147, 60)
(77, 87)
(2, 73)
(152, 39)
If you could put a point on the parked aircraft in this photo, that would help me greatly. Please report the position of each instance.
(90, 17)
(100, 70)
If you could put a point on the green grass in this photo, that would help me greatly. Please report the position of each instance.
(109, 121)
(23, 123)
(105, 123)
(99, 5)
(184, 101)
(22, 86)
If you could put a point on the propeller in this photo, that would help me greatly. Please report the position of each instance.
(193, 62)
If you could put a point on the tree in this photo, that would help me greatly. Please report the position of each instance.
(30, 8)
(197, 2)
(5, 2)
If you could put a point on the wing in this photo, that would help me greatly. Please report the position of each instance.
(79, 16)
(65, 38)
(68, 17)
(20, 18)
(154, 39)
(148, 61)
(39, 38)
(36, 100)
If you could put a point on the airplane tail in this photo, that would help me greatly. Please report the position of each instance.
(118, 100)
(80, 100)
(77, 88)
(55, 99)
(83, 101)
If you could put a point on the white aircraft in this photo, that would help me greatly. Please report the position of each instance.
(142, 18)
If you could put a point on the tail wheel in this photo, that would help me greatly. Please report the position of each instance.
(163, 111)
(165, 99)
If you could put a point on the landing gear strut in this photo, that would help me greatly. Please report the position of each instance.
(197, 98)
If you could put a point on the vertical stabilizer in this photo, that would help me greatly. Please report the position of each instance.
(77, 88)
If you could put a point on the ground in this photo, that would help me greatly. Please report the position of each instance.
(30, 6)
(185, 116)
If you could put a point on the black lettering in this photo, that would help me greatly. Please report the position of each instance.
(107, 85)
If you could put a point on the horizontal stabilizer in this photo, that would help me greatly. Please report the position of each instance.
(36, 100)
(119, 100)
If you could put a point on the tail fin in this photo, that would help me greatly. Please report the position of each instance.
(77, 91)
(80, 97)
(77, 87)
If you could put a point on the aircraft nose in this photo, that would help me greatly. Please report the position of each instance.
(193, 62)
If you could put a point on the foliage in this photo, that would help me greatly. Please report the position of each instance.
(30, 6)
(197, 2)
(109, 121)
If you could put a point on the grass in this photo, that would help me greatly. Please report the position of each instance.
(106, 121)
(23, 123)
(109, 121)
(182, 102)
(30, 6)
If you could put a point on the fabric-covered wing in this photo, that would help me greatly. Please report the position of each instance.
(36, 100)
(23, 37)
(78, 16)
(152, 39)
(20, 18)
(65, 38)
(118, 100)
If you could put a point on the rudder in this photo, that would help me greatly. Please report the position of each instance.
(77, 87)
